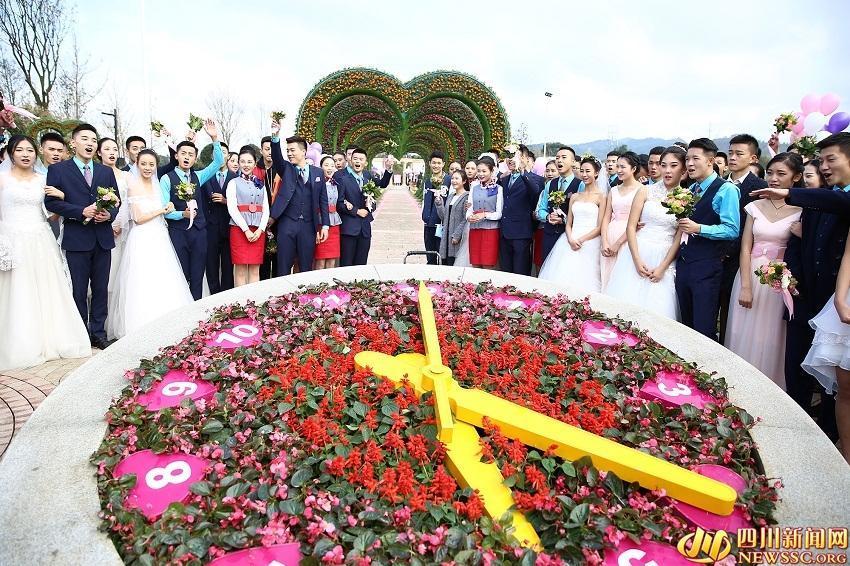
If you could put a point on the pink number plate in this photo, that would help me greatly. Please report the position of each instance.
(599, 333)
(161, 479)
(278, 555)
(242, 332)
(332, 298)
(174, 387)
(674, 389)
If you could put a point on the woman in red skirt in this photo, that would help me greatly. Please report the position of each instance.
(327, 253)
(484, 216)
(248, 205)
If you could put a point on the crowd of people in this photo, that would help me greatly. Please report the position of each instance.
(78, 272)
(608, 228)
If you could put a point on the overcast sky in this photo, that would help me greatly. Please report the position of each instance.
(616, 68)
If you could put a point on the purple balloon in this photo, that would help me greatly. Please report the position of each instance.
(838, 122)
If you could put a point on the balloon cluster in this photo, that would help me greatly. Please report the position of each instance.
(314, 153)
(818, 117)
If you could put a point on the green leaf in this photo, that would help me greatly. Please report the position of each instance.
(291, 507)
(198, 546)
(568, 469)
(201, 488)
(364, 541)
(301, 476)
(615, 484)
(580, 513)
(283, 408)
(237, 489)
(690, 411)
(212, 426)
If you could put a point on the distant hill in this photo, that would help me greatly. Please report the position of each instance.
(601, 147)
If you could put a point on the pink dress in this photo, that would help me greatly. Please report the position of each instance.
(620, 208)
(757, 334)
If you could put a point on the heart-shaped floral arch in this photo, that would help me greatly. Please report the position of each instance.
(444, 110)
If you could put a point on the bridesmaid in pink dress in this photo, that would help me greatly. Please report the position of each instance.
(756, 329)
(616, 216)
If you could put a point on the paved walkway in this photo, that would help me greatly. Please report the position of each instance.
(396, 230)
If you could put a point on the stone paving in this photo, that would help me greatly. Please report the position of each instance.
(396, 230)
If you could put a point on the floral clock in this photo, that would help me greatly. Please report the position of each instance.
(335, 426)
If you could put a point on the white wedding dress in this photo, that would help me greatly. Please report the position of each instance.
(581, 268)
(39, 320)
(653, 241)
(150, 282)
(122, 222)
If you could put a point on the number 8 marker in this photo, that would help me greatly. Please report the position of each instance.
(175, 473)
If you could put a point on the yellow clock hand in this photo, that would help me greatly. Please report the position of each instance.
(436, 377)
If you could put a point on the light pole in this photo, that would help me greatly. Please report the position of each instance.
(114, 115)
(548, 96)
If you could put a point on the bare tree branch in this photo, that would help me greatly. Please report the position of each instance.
(34, 31)
(226, 110)
(11, 81)
(72, 86)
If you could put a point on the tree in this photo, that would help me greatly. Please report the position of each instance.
(11, 81)
(521, 133)
(621, 149)
(34, 31)
(225, 109)
(72, 86)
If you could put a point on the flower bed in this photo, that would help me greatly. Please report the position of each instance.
(287, 443)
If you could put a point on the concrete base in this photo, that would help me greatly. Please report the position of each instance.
(48, 492)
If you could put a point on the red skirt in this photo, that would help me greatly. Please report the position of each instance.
(538, 247)
(484, 246)
(329, 249)
(243, 252)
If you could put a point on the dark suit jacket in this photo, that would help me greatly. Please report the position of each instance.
(429, 209)
(817, 256)
(216, 212)
(289, 178)
(519, 202)
(349, 190)
(66, 176)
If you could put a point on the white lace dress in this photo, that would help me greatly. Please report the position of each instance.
(830, 348)
(150, 282)
(653, 242)
(581, 268)
(39, 320)
(122, 222)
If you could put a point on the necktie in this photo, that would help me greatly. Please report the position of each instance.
(562, 183)
(87, 174)
(303, 172)
(221, 179)
(513, 178)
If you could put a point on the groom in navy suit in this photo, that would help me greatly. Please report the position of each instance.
(87, 238)
(356, 213)
(300, 210)
(520, 189)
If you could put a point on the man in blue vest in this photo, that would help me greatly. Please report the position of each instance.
(711, 230)
(553, 220)
(219, 266)
(429, 208)
(300, 210)
(187, 225)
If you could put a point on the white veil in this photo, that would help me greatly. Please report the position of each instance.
(603, 181)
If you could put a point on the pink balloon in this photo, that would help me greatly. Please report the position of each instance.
(810, 103)
(829, 103)
(794, 136)
(798, 127)
(317, 146)
(539, 166)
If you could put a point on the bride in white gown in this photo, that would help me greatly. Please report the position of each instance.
(150, 282)
(645, 272)
(575, 257)
(39, 320)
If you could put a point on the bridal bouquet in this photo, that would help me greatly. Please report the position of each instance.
(438, 187)
(195, 123)
(157, 127)
(808, 146)
(278, 116)
(556, 199)
(106, 200)
(784, 122)
(186, 191)
(680, 202)
(778, 277)
(372, 192)
(271, 243)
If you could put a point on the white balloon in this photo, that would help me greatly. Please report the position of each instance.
(814, 123)
(822, 135)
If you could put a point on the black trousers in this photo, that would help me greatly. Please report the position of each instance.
(191, 248)
(354, 250)
(91, 268)
(218, 258)
(515, 255)
(296, 239)
(799, 384)
(730, 268)
(698, 291)
(432, 243)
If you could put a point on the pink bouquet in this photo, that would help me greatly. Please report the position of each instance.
(777, 275)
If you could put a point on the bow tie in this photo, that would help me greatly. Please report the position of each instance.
(246, 177)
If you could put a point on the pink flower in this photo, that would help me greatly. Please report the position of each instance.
(334, 556)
